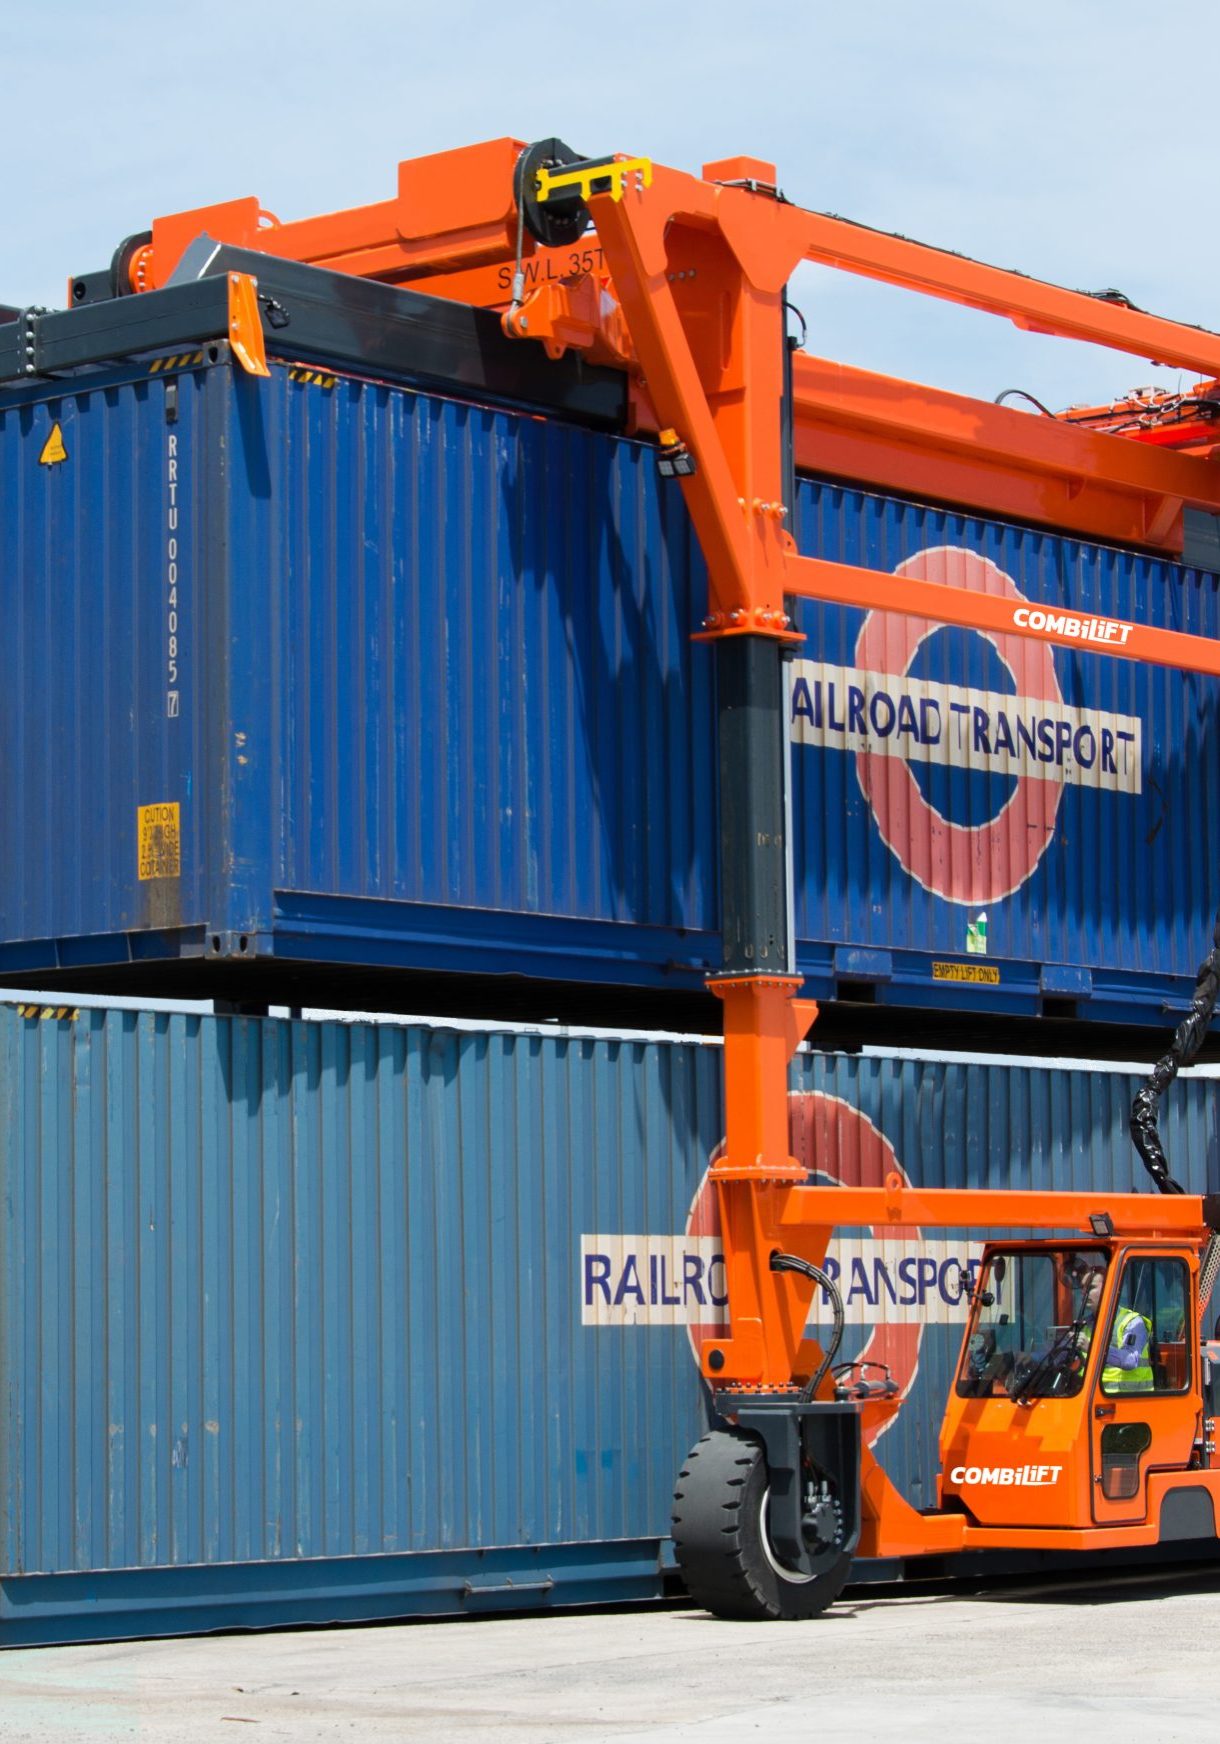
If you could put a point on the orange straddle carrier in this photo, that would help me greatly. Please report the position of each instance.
(1082, 1417)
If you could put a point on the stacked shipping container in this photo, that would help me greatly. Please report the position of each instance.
(306, 1320)
(323, 1319)
(347, 673)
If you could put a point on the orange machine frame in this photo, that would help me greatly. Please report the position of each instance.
(683, 283)
(451, 230)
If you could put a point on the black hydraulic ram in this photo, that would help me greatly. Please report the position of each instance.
(755, 807)
(752, 687)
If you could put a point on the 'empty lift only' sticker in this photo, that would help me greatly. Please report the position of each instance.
(895, 723)
(160, 841)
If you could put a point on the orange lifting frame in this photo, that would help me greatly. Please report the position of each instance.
(700, 272)
(451, 231)
(712, 360)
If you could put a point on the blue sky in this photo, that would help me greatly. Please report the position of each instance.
(1069, 140)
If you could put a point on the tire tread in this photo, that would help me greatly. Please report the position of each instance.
(718, 1562)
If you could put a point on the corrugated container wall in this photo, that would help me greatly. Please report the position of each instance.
(346, 673)
(304, 1320)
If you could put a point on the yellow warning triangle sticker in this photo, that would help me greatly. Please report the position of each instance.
(53, 450)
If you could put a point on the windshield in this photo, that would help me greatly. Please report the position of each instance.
(1034, 1318)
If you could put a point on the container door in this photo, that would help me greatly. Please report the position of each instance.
(1145, 1412)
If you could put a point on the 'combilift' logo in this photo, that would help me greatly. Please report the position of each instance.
(1026, 1476)
(1110, 632)
(893, 722)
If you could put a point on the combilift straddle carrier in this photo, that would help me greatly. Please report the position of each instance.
(1083, 1414)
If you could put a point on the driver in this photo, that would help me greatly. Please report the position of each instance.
(1128, 1367)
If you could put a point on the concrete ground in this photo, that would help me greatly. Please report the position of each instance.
(1133, 1660)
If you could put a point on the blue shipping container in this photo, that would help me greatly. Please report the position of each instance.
(326, 670)
(323, 1320)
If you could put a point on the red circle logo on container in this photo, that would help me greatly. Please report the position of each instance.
(966, 863)
(963, 776)
(841, 1147)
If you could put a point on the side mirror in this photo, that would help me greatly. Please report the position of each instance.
(965, 1287)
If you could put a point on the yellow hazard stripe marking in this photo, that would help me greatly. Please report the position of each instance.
(183, 360)
(55, 1013)
(318, 378)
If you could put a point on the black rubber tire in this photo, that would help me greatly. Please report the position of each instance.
(718, 1533)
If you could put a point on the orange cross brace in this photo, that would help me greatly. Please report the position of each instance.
(827, 1208)
(876, 590)
(1029, 303)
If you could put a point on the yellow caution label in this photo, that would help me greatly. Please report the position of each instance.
(50, 1013)
(53, 450)
(978, 974)
(178, 360)
(157, 828)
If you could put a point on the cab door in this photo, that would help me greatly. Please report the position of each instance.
(1145, 1408)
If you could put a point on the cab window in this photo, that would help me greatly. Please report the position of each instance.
(1035, 1310)
(1148, 1340)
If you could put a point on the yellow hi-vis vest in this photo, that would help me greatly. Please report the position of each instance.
(1138, 1380)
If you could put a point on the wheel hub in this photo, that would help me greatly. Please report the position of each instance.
(822, 1522)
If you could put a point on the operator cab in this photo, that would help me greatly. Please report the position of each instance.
(1035, 1310)
(1079, 1359)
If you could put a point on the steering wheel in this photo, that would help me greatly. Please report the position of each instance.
(1017, 1379)
(982, 1349)
(983, 1362)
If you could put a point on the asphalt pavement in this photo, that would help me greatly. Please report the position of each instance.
(1128, 1660)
